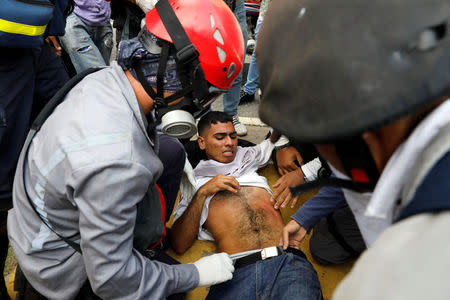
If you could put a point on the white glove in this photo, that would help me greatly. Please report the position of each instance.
(146, 5)
(214, 269)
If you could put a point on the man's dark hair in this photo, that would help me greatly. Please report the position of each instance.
(212, 117)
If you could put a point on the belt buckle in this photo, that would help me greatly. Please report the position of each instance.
(269, 252)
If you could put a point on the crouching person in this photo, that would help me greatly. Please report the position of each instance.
(86, 207)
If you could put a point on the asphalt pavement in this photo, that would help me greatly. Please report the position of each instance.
(248, 113)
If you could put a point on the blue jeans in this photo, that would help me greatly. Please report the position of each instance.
(231, 98)
(88, 46)
(287, 276)
(253, 73)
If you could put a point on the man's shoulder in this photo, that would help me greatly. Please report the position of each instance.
(416, 243)
(431, 195)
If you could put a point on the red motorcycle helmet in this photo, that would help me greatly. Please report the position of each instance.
(214, 31)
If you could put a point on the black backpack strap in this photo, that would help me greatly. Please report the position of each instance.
(36, 126)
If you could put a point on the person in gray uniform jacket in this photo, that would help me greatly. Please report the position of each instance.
(92, 165)
(369, 85)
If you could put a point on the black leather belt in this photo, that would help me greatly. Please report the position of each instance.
(265, 254)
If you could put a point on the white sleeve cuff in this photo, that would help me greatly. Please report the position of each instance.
(283, 140)
(310, 169)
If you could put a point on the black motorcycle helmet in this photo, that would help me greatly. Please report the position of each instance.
(333, 69)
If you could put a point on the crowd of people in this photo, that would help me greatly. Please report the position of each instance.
(95, 150)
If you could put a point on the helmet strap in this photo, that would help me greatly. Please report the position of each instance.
(358, 164)
(357, 160)
(186, 55)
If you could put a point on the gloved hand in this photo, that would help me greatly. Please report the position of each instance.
(214, 269)
(146, 5)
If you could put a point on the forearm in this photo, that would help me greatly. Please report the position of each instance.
(319, 206)
(184, 231)
(120, 275)
(107, 219)
(274, 136)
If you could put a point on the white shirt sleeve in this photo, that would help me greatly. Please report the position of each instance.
(261, 153)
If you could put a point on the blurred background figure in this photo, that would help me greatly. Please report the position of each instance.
(89, 39)
(248, 92)
(231, 98)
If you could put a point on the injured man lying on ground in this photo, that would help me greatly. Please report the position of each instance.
(232, 207)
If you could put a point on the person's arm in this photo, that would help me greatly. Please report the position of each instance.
(275, 136)
(325, 202)
(185, 229)
(261, 153)
(107, 195)
(288, 159)
(319, 206)
(54, 43)
(282, 195)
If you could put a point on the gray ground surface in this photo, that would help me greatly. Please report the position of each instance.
(244, 110)
(249, 110)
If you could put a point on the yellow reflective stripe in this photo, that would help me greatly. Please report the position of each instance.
(24, 29)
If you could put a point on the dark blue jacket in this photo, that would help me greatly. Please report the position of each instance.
(58, 23)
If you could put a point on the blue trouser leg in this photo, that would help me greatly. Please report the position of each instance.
(172, 155)
(51, 76)
(231, 98)
(253, 73)
(17, 73)
(28, 79)
(80, 43)
(287, 276)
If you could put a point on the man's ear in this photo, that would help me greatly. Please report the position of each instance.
(201, 142)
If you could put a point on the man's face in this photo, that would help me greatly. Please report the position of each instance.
(219, 142)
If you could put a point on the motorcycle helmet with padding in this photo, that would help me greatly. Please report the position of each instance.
(330, 70)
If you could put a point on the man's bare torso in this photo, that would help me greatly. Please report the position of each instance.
(244, 221)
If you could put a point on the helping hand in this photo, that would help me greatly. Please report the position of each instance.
(53, 41)
(287, 158)
(218, 183)
(293, 234)
(282, 185)
(214, 269)
(146, 5)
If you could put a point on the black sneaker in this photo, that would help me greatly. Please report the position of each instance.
(246, 98)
